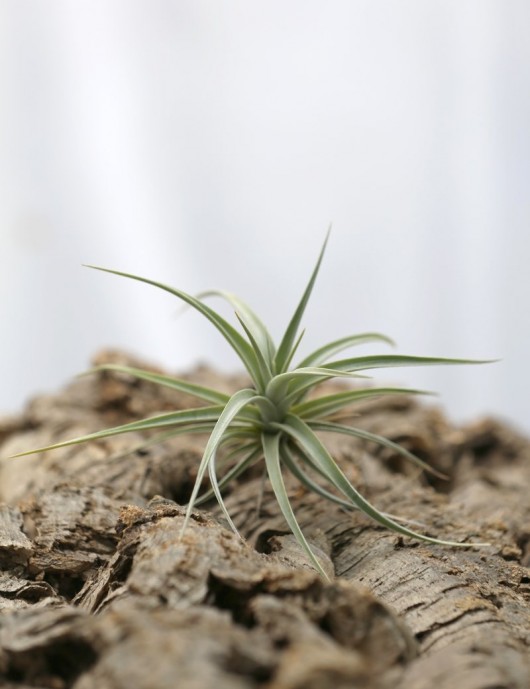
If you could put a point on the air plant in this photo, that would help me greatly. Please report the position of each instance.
(274, 420)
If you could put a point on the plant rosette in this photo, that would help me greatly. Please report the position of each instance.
(273, 421)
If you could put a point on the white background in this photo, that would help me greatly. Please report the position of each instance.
(209, 144)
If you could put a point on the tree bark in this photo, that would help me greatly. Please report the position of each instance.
(98, 591)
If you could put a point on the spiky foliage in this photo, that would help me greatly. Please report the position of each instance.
(274, 421)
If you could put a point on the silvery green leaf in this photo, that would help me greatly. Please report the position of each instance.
(253, 324)
(271, 451)
(183, 418)
(235, 339)
(304, 436)
(325, 406)
(374, 438)
(249, 457)
(283, 354)
(199, 391)
(236, 403)
(365, 363)
(320, 355)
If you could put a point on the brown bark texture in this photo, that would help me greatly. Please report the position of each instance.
(97, 590)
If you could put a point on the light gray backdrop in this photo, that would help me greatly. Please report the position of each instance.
(210, 144)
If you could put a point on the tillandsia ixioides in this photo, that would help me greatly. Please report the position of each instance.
(274, 420)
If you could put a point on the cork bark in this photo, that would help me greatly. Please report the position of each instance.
(97, 591)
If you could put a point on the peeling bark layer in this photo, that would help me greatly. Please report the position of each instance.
(97, 591)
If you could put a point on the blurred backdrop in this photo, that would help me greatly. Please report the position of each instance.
(210, 144)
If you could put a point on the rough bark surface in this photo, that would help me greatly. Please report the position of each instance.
(97, 591)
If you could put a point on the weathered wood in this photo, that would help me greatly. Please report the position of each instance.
(469, 609)
(15, 546)
(98, 591)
